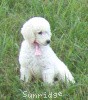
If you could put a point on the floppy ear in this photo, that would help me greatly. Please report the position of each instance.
(27, 32)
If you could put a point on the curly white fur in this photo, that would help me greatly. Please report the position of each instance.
(46, 66)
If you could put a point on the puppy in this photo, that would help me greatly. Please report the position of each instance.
(36, 58)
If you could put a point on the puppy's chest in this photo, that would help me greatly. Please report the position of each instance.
(34, 59)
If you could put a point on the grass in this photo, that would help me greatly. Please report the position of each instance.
(69, 25)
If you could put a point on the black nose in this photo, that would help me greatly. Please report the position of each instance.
(48, 41)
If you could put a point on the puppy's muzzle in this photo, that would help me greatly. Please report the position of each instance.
(48, 42)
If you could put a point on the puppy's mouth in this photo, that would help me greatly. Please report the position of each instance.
(44, 44)
(37, 47)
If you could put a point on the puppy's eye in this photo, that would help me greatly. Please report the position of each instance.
(40, 33)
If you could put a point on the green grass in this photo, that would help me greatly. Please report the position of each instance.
(69, 25)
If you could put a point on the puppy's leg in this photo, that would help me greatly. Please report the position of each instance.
(48, 76)
(66, 76)
(24, 74)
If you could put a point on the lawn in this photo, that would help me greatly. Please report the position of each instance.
(69, 25)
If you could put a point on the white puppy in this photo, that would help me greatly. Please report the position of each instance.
(37, 58)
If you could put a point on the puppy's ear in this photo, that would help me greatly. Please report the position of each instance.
(28, 33)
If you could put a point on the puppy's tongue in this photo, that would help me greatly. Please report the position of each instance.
(37, 49)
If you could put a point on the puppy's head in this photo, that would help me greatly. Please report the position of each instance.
(37, 29)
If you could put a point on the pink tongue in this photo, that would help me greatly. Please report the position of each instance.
(37, 49)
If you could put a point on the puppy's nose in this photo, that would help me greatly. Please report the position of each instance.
(48, 41)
